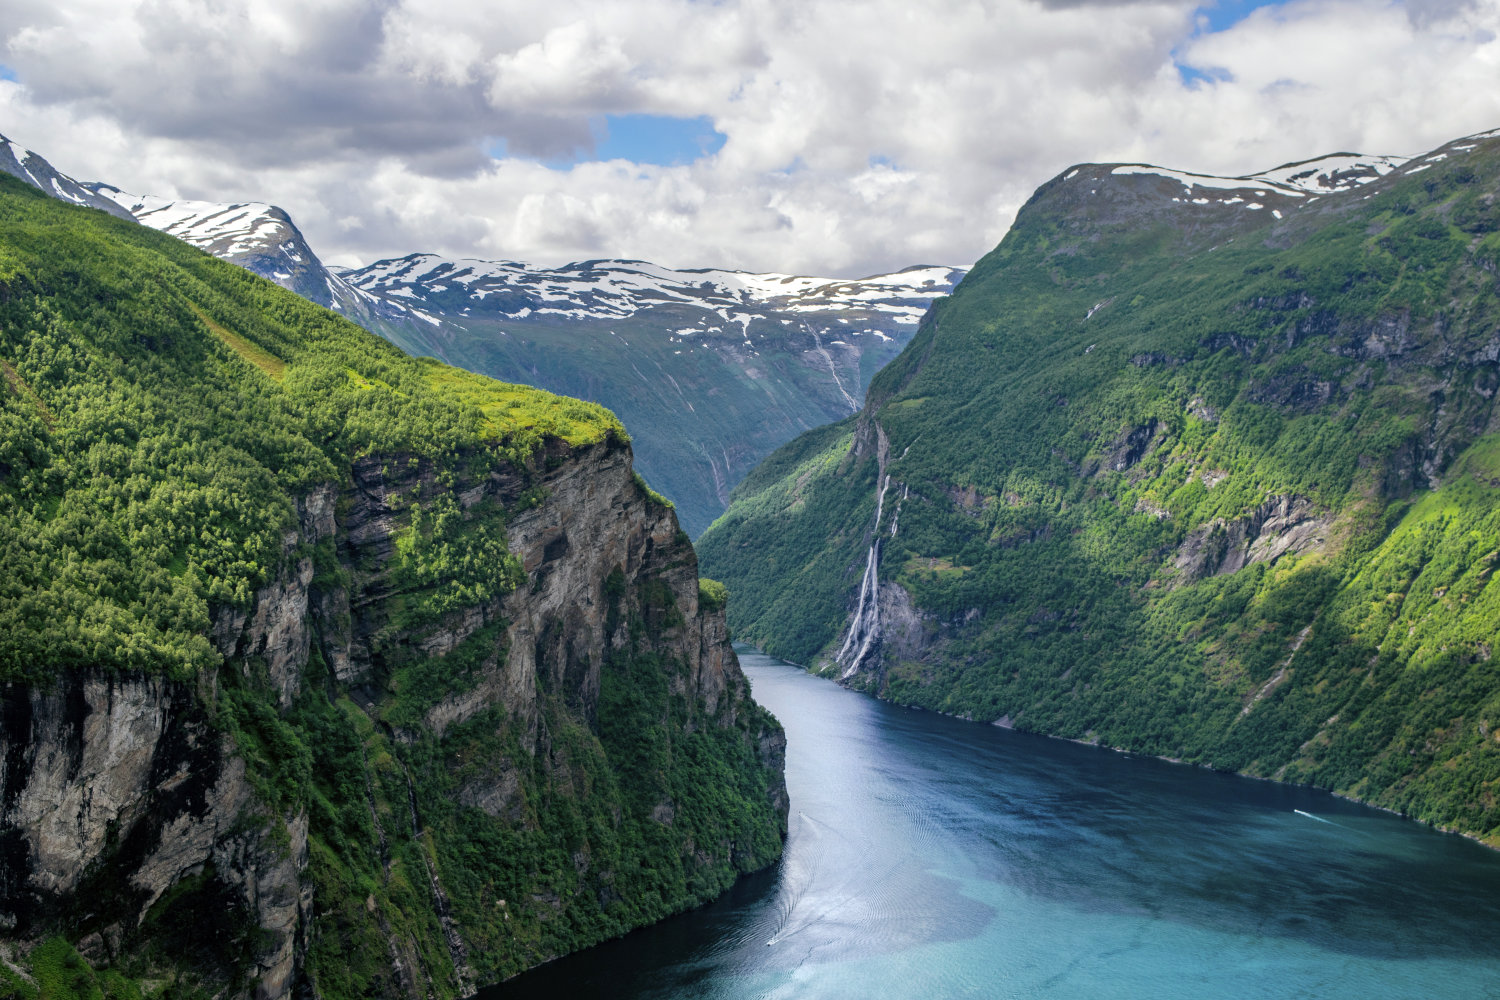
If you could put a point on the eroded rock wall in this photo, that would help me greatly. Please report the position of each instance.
(117, 789)
(131, 786)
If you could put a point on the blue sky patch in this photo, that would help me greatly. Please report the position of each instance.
(662, 140)
(1210, 19)
(1194, 76)
(6, 73)
(659, 139)
(1228, 13)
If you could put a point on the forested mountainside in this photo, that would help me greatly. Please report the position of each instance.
(710, 369)
(329, 670)
(1207, 468)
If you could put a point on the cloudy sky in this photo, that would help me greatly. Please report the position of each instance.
(841, 137)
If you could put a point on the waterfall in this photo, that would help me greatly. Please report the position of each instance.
(864, 629)
(896, 517)
(832, 368)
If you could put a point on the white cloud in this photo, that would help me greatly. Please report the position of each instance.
(861, 136)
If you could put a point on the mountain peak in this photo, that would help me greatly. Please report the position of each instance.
(34, 169)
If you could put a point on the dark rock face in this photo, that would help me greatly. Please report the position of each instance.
(121, 788)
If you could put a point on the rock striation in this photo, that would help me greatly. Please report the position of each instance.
(119, 793)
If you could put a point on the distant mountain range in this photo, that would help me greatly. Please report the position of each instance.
(709, 369)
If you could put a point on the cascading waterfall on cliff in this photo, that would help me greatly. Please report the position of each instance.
(864, 629)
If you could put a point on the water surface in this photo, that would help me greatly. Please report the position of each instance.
(934, 858)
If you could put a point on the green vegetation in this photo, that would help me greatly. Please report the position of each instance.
(147, 461)
(1106, 432)
(54, 970)
(165, 421)
(712, 595)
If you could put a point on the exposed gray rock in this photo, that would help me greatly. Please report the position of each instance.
(1282, 525)
(107, 774)
(905, 630)
(129, 776)
(1133, 445)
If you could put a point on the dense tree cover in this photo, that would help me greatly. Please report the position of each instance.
(158, 411)
(161, 415)
(1106, 406)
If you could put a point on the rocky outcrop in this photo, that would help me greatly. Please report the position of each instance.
(1133, 445)
(277, 628)
(906, 630)
(118, 789)
(1281, 525)
(132, 789)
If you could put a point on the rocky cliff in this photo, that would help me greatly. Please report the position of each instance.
(325, 670)
(119, 789)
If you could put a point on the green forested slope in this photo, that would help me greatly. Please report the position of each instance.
(164, 417)
(1203, 482)
(160, 409)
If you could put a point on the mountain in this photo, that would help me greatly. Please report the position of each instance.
(327, 670)
(31, 168)
(709, 369)
(258, 237)
(1197, 467)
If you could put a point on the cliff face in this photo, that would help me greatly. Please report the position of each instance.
(117, 790)
(124, 794)
(325, 669)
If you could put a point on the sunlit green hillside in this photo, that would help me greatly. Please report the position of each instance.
(1196, 480)
(159, 410)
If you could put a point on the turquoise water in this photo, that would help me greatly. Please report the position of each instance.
(929, 857)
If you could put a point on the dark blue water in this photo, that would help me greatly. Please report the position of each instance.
(930, 857)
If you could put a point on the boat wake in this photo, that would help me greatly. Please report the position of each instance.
(1320, 819)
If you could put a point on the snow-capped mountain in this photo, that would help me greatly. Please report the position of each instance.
(1305, 179)
(710, 369)
(1226, 205)
(619, 289)
(35, 170)
(259, 237)
(1277, 192)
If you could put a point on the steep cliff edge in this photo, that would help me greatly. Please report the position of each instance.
(325, 668)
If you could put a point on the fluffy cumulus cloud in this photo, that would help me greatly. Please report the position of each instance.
(858, 135)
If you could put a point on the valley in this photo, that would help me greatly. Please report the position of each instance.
(357, 674)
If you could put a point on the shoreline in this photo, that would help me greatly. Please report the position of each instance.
(1004, 723)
